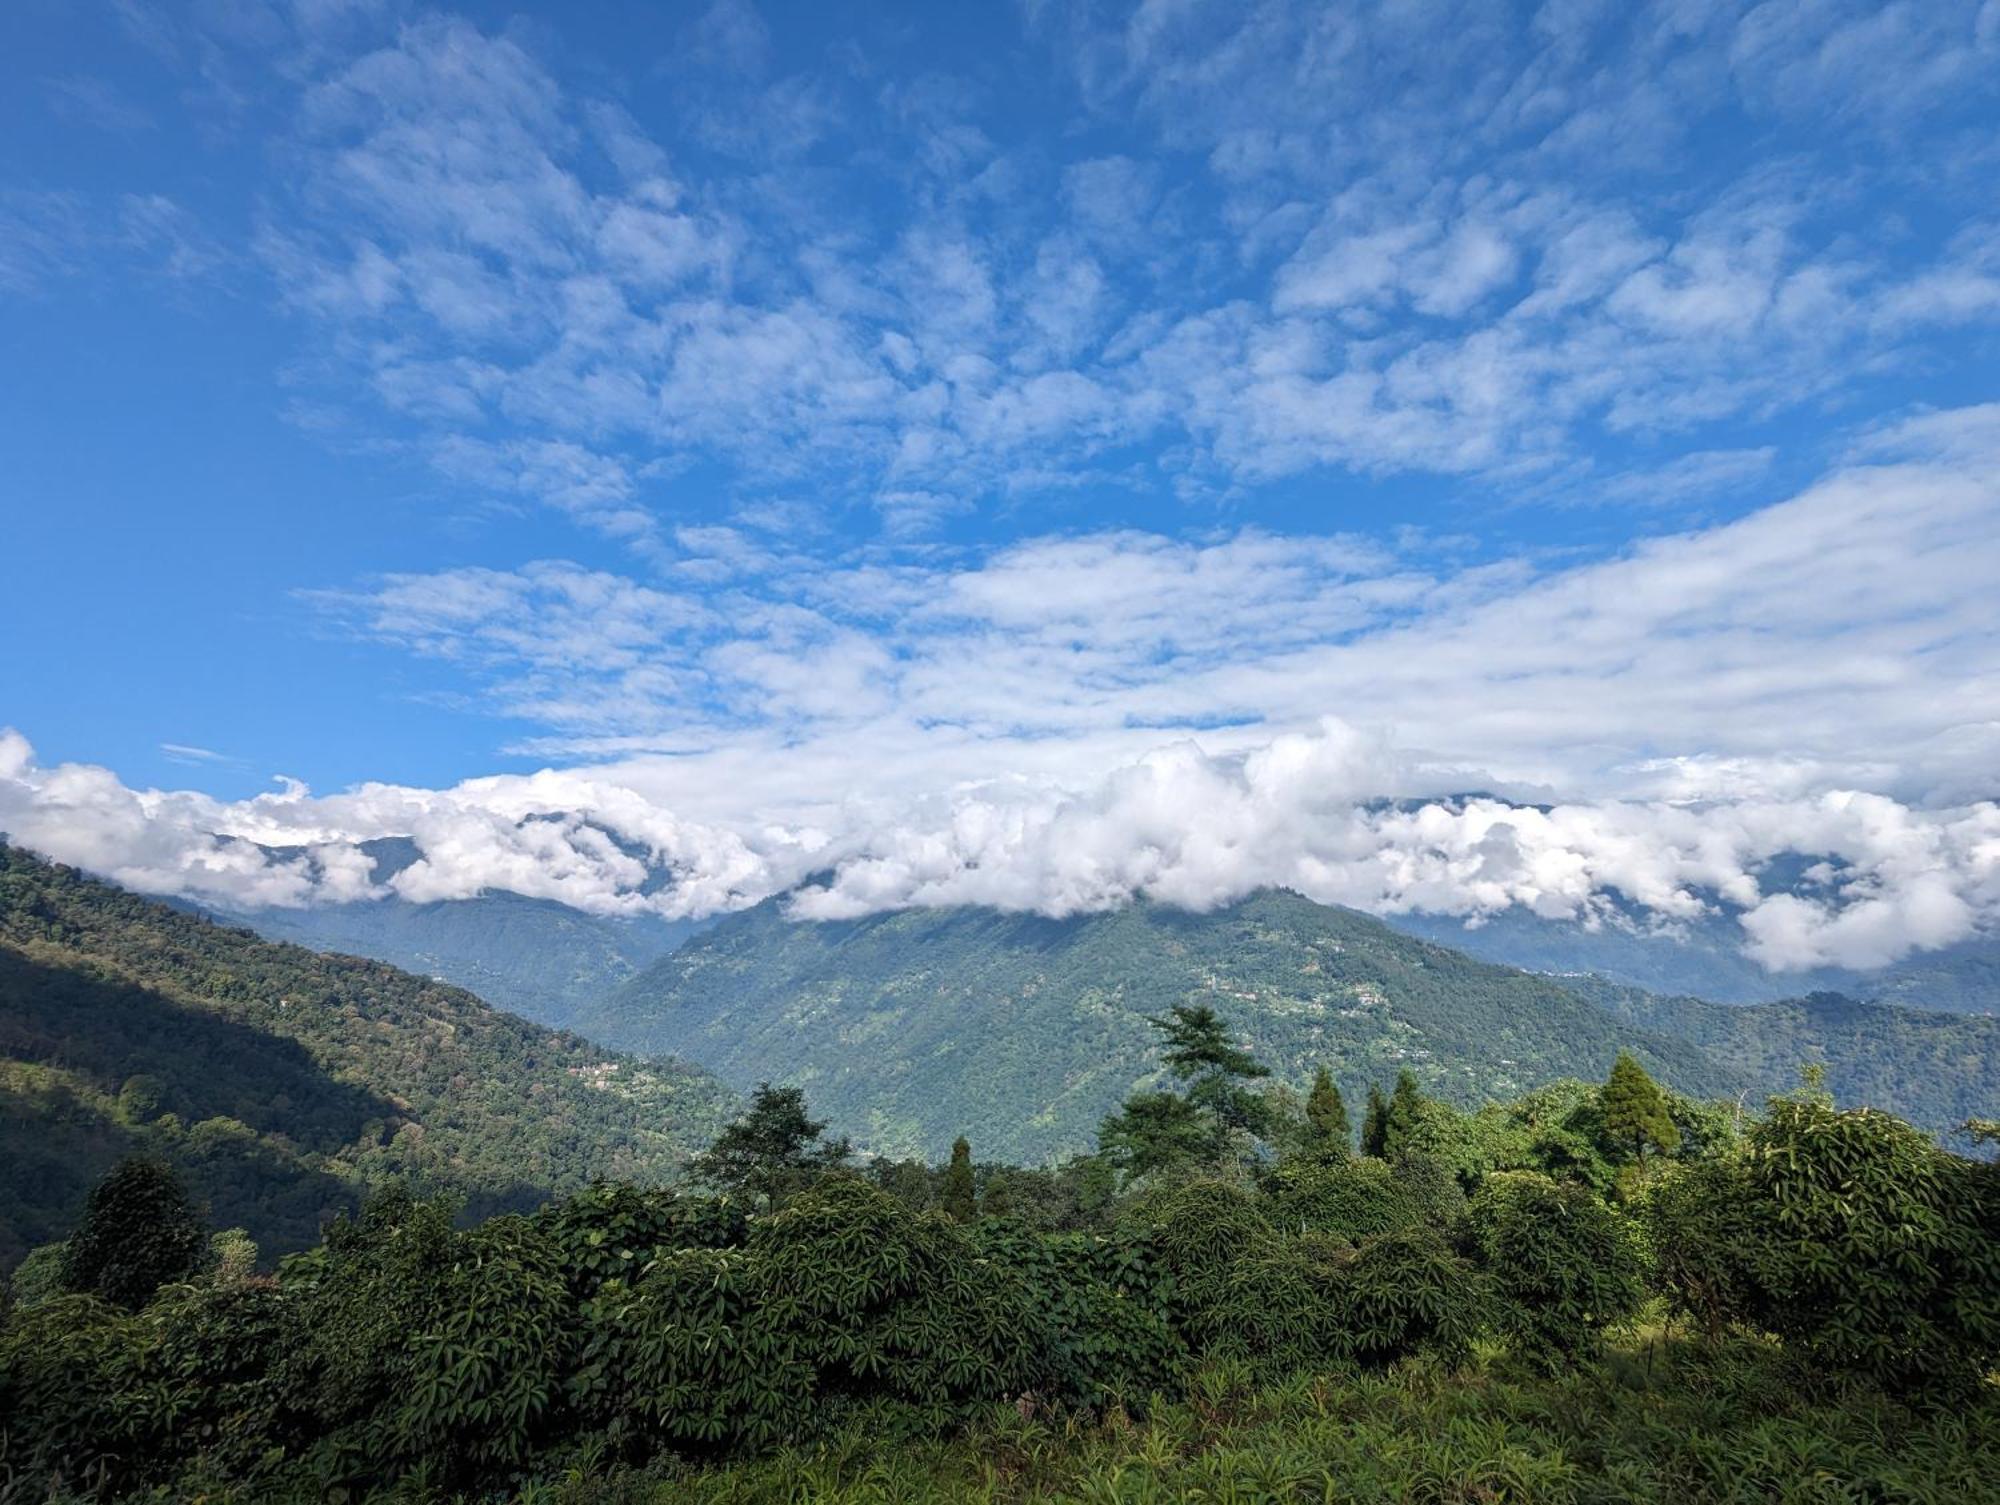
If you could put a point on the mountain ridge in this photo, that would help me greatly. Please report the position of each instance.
(910, 1027)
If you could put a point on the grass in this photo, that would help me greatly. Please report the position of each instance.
(1656, 1421)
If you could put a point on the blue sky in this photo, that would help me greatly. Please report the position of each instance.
(779, 407)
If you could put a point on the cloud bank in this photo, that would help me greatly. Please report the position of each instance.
(1069, 723)
(1179, 826)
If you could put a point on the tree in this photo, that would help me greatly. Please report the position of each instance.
(774, 1149)
(1565, 1265)
(955, 1197)
(1636, 1113)
(139, 1232)
(1156, 1131)
(1200, 1053)
(1399, 1119)
(1327, 1129)
(1375, 1124)
(1850, 1235)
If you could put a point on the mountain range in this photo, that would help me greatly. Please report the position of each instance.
(536, 957)
(911, 1027)
(287, 1080)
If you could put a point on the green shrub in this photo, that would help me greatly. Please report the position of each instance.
(82, 1401)
(1279, 1305)
(416, 1343)
(38, 1277)
(882, 1299)
(138, 1232)
(1197, 1229)
(1244, 1289)
(612, 1231)
(1433, 1191)
(1354, 1199)
(693, 1354)
(1408, 1293)
(1850, 1235)
(1105, 1302)
(1564, 1266)
(221, 1342)
(1703, 1222)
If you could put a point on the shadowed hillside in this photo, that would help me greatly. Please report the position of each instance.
(281, 1080)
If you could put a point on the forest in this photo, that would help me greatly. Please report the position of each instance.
(1595, 1291)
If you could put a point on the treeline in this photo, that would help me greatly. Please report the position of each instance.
(1223, 1236)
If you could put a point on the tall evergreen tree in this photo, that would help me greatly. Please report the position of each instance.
(1375, 1124)
(1399, 1121)
(1156, 1131)
(1327, 1129)
(139, 1232)
(1200, 1053)
(956, 1197)
(1636, 1114)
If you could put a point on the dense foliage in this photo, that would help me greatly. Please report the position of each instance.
(138, 1232)
(1252, 1322)
(281, 1083)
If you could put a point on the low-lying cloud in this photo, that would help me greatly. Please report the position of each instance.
(1181, 826)
(1070, 723)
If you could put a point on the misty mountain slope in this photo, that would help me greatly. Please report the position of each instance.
(909, 1028)
(1963, 979)
(282, 1081)
(1934, 1068)
(1706, 960)
(535, 957)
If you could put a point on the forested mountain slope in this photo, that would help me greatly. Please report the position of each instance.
(538, 958)
(1706, 959)
(1022, 1032)
(1935, 1069)
(281, 1080)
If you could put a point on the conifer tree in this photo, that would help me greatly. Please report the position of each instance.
(1200, 1053)
(955, 1197)
(1327, 1129)
(1375, 1124)
(1399, 1120)
(1156, 1131)
(1636, 1114)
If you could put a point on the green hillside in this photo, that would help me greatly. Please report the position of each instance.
(910, 1028)
(280, 1081)
(1936, 1069)
(535, 957)
(1705, 959)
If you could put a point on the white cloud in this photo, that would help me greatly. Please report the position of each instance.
(1066, 723)
(1178, 825)
(1806, 644)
